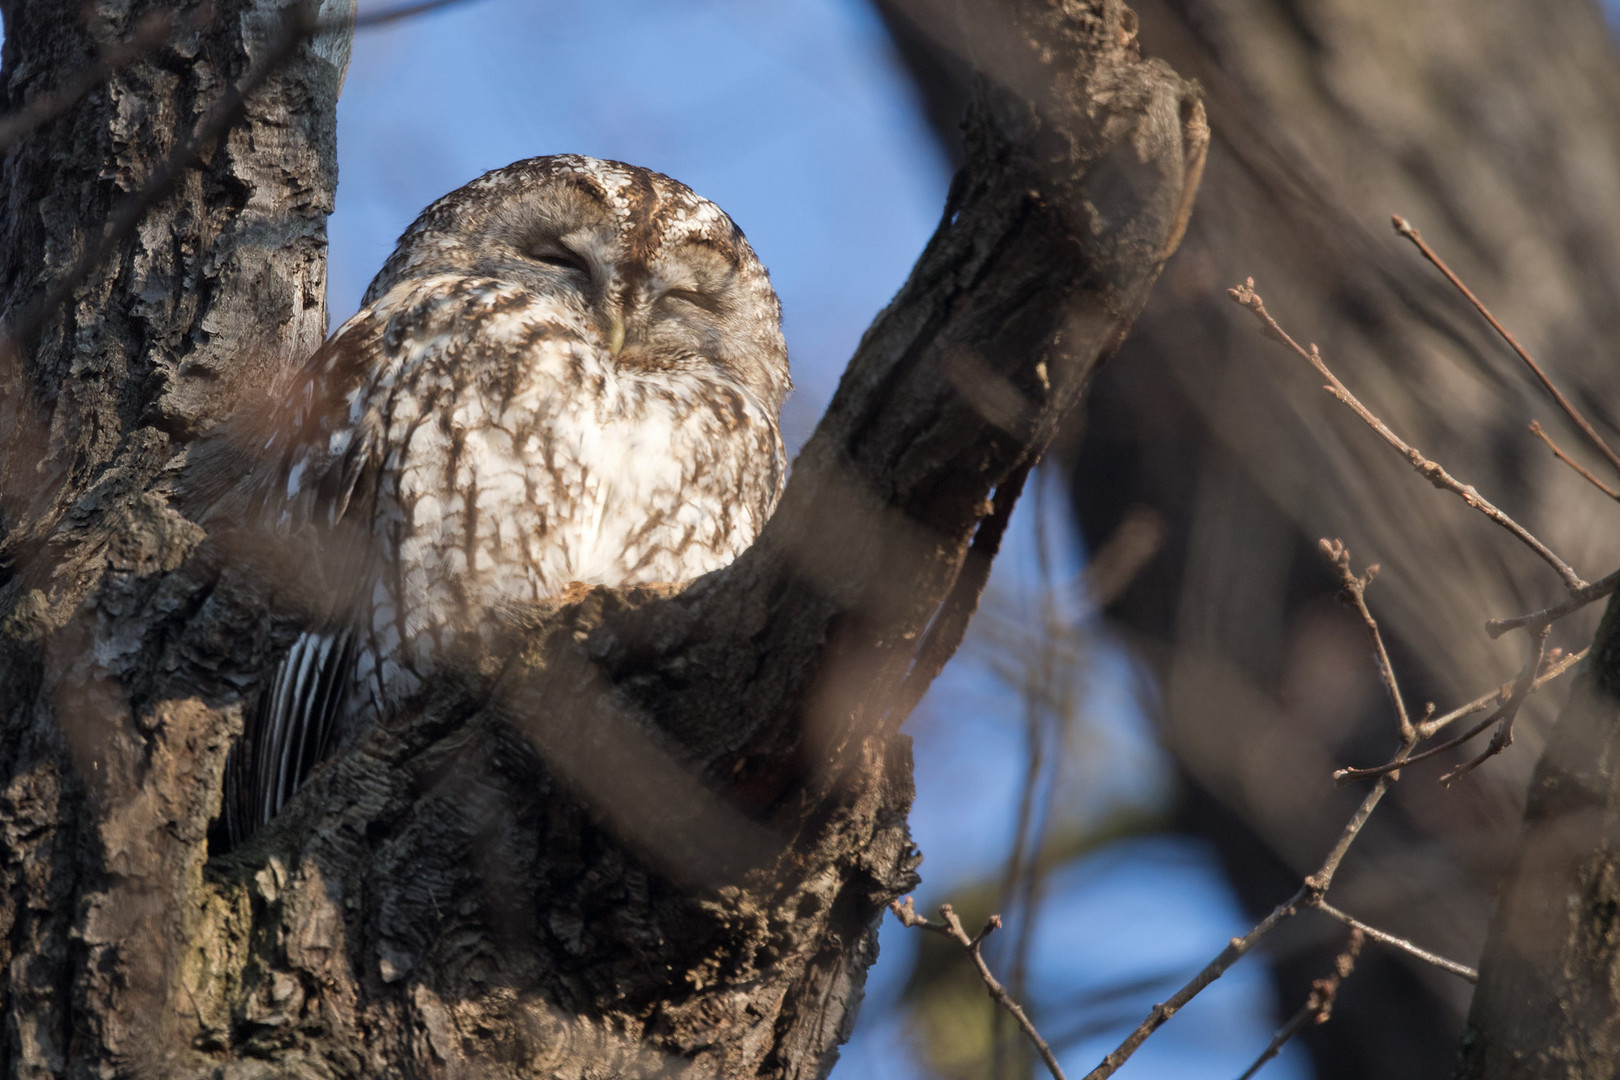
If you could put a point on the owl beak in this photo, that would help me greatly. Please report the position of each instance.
(616, 335)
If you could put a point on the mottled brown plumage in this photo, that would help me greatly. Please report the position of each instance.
(569, 370)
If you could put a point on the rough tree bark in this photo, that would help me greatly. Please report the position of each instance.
(107, 777)
(656, 833)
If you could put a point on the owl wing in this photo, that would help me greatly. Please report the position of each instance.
(327, 447)
(295, 453)
(319, 452)
(289, 731)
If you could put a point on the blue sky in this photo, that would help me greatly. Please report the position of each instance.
(794, 117)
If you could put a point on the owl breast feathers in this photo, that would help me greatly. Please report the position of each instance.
(569, 370)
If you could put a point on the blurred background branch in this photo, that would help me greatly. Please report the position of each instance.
(1497, 129)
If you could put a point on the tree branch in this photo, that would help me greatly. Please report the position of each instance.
(1406, 229)
(1432, 471)
(654, 829)
(952, 928)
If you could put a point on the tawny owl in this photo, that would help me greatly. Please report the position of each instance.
(569, 370)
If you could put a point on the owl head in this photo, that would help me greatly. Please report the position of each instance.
(663, 275)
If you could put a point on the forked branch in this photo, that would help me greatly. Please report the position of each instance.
(1353, 591)
(1504, 697)
(1314, 890)
(1578, 599)
(952, 928)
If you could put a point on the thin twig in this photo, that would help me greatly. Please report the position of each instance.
(1320, 881)
(1044, 686)
(45, 106)
(1318, 1005)
(1460, 970)
(1536, 430)
(1296, 1023)
(1510, 709)
(1405, 228)
(1559, 665)
(944, 634)
(1546, 616)
(1353, 591)
(1431, 471)
(1018, 885)
(1315, 888)
(952, 929)
(1311, 892)
(1450, 744)
(1345, 776)
(1499, 696)
(1235, 950)
(401, 12)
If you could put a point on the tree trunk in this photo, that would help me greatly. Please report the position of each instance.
(1548, 1002)
(652, 834)
(109, 771)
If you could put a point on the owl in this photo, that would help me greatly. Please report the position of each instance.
(569, 370)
